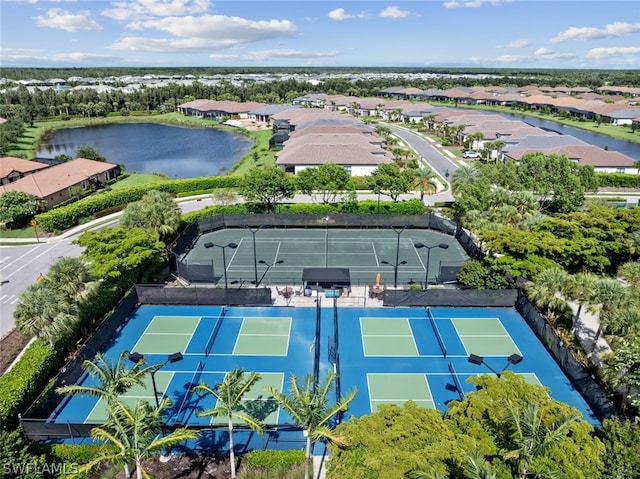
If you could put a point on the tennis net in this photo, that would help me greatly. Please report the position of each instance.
(214, 331)
(456, 380)
(436, 331)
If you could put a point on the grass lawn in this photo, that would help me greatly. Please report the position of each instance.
(136, 179)
(23, 233)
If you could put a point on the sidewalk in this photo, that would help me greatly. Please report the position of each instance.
(586, 329)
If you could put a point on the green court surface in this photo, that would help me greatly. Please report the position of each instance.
(167, 333)
(263, 336)
(386, 388)
(485, 336)
(259, 403)
(99, 414)
(387, 337)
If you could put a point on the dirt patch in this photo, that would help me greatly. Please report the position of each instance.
(181, 467)
(10, 346)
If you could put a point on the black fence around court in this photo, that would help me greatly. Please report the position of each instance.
(202, 271)
(158, 294)
(462, 298)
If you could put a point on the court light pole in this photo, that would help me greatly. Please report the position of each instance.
(429, 248)
(326, 241)
(253, 232)
(171, 358)
(224, 257)
(479, 360)
(268, 265)
(398, 231)
(395, 270)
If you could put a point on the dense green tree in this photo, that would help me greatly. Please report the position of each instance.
(326, 182)
(17, 461)
(391, 180)
(121, 254)
(480, 274)
(544, 291)
(230, 404)
(309, 406)
(622, 442)
(266, 187)
(71, 276)
(17, 208)
(621, 368)
(89, 153)
(156, 211)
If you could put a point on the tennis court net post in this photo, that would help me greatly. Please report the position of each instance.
(214, 331)
(456, 380)
(436, 331)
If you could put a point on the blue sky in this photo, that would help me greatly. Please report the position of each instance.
(427, 33)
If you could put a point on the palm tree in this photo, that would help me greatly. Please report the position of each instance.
(155, 211)
(71, 276)
(466, 174)
(630, 272)
(308, 405)
(425, 181)
(532, 439)
(609, 294)
(229, 394)
(45, 313)
(621, 369)
(545, 288)
(112, 378)
(136, 434)
(580, 287)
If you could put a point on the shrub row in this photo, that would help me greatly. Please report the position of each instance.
(618, 180)
(20, 386)
(65, 217)
(274, 458)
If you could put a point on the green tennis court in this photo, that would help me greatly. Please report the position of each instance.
(282, 254)
(385, 388)
(263, 336)
(485, 336)
(387, 337)
(167, 333)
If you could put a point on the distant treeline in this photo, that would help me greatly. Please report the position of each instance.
(540, 76)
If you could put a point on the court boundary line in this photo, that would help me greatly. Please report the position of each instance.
(288, 335)
(424, 376)
(413, 338)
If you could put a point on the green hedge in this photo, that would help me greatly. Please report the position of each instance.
(274, 458)
(20, 386)
(65, 217)
(618, 180)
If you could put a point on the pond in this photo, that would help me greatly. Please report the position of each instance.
(151, 148)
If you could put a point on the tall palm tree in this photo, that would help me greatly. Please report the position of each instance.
(112, 378)
(45, 313)
(136, 434)
(531, 439)
(609, 294)
(229, 395)
(466, 174)
(580, 287)
(425, 181)
(308, 405)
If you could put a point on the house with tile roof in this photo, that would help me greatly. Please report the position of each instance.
(12, 169)
(56, 183)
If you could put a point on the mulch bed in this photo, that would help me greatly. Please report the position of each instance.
(10, 346)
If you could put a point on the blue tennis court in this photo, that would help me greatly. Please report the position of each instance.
(390, 355)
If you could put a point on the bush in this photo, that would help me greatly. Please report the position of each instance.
(20, 386)
(275, 458)
(618, 180)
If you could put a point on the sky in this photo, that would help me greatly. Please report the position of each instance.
(573, 34)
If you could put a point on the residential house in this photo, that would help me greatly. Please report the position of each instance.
(12, 169)
(56, 183)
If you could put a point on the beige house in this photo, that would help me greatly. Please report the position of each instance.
(55, 183)
(12, 169)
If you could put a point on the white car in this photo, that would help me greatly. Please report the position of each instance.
(471, 154)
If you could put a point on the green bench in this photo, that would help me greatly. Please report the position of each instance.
(332, 293)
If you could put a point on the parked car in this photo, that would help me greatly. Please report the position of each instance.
(471, 154)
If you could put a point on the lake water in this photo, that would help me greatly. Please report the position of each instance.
(632, 150)
(150, 148)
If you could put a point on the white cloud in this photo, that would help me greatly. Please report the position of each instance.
(340, 14)
(541, 54)
(472, 3)
(264, 55)
(394, 12)
(599, 53)
(67, 21)
(546, 54)
(26, 56)
(144, 9)
(522, 43)
(616, 29)
(206, 32)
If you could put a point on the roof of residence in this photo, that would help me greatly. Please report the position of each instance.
(56, 178)
(583, 155)
(9, 164)
(539, 142)
(224, 106)
(270, 110)
(338, 154)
